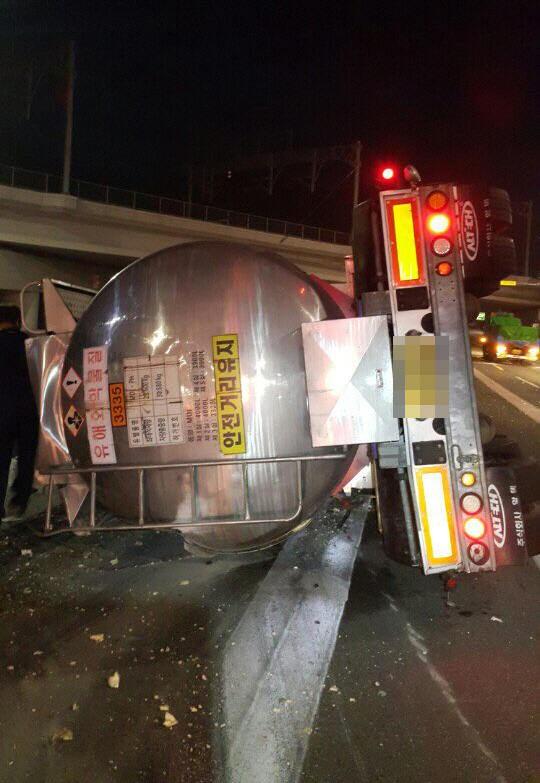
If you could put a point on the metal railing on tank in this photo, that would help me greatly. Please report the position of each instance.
(107, 194)
(194, 521)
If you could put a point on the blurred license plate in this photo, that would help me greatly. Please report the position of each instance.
(421, 377)
(517, 353)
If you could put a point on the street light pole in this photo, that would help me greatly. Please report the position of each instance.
(528, 217)
(358, 148)
(69, 119)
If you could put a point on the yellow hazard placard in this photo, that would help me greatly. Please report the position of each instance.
(118, 404)
(230, 412)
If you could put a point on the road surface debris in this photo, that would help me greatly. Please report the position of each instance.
(169, 721)
(64, 735)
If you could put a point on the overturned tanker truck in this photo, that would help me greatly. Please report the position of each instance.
(216, 389)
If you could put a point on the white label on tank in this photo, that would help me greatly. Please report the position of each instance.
(175, 423)
(100, 437)
(97, 403)
(200, 402)
(154, 400)
(170, 399)
(134, 426)
(95, 377)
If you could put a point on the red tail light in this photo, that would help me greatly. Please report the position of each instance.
(444, 268)
(474, 528)
(438, 223)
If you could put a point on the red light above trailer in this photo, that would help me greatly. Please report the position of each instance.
(438, 223)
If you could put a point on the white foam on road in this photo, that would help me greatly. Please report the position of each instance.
(277, 659)
(530, 410)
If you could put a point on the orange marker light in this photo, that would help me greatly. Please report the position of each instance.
(474, 528)
(437, 200)
(468, 479)
(387, 173)
(438, 224)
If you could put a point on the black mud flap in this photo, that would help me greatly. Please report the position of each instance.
(506, 517)
(391, 516)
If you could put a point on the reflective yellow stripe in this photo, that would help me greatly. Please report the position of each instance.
(405, 242)
(436, 515)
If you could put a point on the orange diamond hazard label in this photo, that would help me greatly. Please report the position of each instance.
(73, 420)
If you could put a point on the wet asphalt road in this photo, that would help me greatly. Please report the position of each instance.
(318, 662)
(512, 401)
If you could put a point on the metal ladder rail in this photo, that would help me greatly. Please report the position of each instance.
(194, 522)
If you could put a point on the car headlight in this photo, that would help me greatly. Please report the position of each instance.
(533, 352)
(501, 349)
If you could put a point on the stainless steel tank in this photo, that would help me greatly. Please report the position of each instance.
(164, 310)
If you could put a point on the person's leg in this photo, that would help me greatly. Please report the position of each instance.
(27, 435)
(8, 433)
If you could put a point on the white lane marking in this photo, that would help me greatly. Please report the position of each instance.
(354, 751)
(418, 643)
(536, 559)
(536, 385)
(277, 658)
(497, 366)
(448, 694)
(530, 410)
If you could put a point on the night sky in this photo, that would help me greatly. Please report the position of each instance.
(451, 87)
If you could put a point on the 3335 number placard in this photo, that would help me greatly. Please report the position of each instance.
(118, 405)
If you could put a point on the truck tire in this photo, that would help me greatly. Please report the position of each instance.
(500, 208)
(472, 306)
(487, 428)
(505, 252)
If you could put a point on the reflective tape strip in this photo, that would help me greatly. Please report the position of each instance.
(406, 243)
(436, 515)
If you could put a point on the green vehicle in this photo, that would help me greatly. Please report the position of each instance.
(506, 338)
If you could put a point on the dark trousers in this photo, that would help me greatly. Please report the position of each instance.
(18, 427)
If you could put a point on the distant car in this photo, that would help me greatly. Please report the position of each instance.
(496, 348)
(476, 336)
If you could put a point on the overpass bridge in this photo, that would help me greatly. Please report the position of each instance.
(87, 237)
(517, 294)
